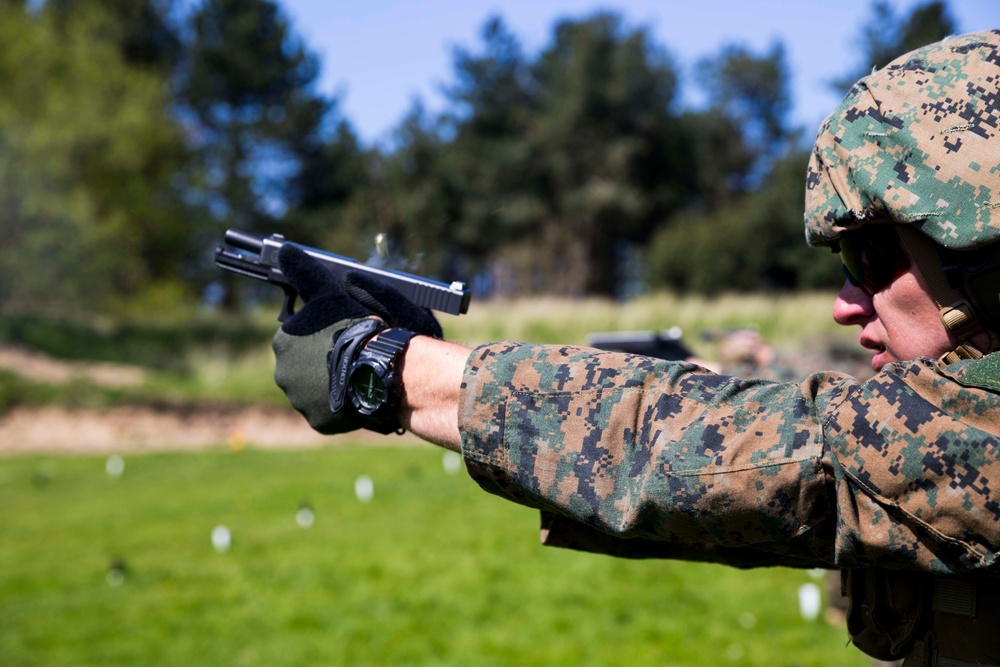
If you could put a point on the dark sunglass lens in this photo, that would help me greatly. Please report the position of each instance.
(873, 257)
(852, 257)
(850, 278)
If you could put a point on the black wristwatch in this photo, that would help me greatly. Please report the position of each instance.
(374, 382)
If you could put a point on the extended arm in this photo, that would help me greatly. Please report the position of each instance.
(670, 460)
(675, 459)
(432, 379)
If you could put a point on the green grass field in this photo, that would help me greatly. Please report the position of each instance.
(430, 571)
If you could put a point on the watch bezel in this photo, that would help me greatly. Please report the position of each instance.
(380, 356)
(377, 371)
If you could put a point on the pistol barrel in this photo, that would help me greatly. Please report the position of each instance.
(244, 240)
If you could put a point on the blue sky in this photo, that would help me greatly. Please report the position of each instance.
(379, 55)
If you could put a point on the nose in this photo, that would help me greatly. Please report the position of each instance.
(852, 306)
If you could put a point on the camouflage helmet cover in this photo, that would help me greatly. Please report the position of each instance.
(915, 142)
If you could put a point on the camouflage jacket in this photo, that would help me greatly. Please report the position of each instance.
(640, 457)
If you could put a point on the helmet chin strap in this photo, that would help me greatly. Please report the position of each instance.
(955, 311)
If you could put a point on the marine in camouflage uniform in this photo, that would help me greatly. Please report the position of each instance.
(895, 480)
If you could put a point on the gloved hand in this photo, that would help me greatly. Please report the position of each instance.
(330, 305)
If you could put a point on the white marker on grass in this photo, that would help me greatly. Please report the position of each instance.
(735, 652)
(810, 601)
(221, 539)
(115, 465)
(364, 488)
(452, 462)
(116, 572)
(305, 517)
(115, 578)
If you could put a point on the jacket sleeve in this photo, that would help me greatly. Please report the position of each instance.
(641, 457)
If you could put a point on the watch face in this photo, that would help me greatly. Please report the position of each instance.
(368, 388)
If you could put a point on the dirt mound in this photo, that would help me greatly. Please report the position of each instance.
(43, 368)
(53, 429)
(56, 429)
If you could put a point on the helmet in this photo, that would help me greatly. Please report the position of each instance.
(916, 144)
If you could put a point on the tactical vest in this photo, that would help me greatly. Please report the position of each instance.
(925, 620)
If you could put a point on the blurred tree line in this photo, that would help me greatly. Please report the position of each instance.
(133, 132)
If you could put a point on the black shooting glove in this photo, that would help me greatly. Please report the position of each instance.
(331, 305)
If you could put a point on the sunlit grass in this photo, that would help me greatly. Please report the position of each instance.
(431, 571)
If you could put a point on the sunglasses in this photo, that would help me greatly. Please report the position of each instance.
(873, 257)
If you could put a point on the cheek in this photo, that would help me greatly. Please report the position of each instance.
(910, 342)
(911, 320)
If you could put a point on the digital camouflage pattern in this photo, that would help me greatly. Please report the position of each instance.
(915, 142)
(641, 457)
(894, 480)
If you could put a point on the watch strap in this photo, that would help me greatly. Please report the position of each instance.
(390, 342)
(388, 346)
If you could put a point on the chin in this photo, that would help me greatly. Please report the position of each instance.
(880, 359)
